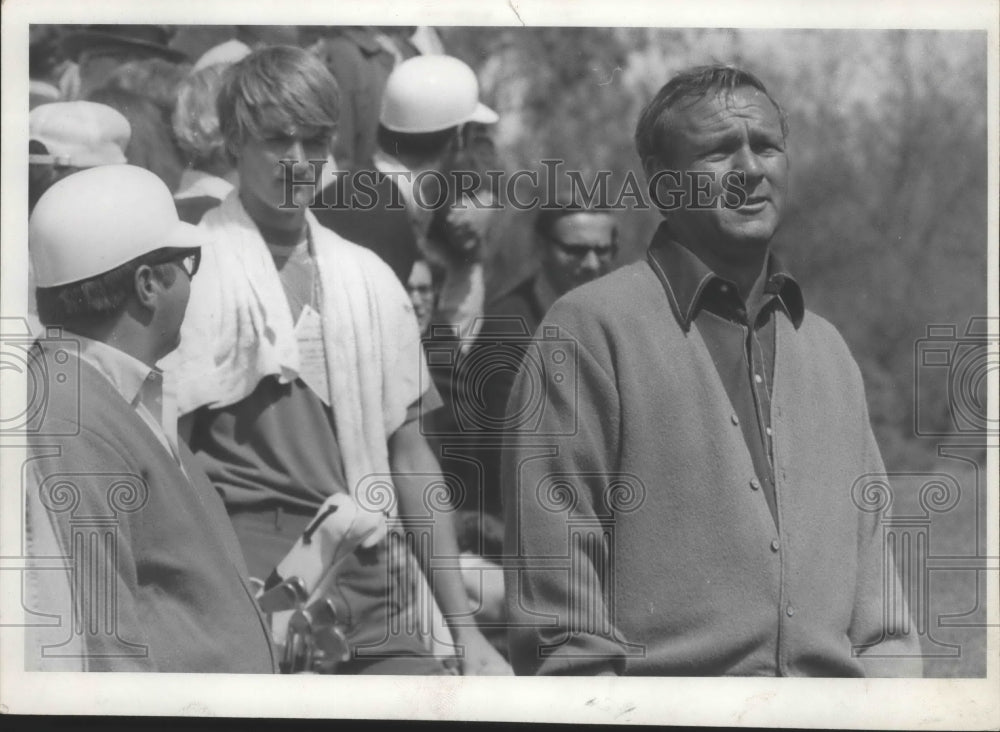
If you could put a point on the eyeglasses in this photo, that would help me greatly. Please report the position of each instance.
(191, 263)
(189, 259)
(580, 251)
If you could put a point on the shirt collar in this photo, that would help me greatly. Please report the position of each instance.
(140, 385)
(128, 375)
(685, 277)
(388, 164)
(404, 179)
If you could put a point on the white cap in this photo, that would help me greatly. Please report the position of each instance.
(81, 134)
(225, 53)
(432, 93)
(90, 222)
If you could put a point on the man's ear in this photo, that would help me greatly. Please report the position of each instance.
(147, 286)
(651, 165)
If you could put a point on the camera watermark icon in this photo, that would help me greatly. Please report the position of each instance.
(586, 563)
(950, 379)
(51, 369)
(905, 503)
(79, 515)
(484, 372)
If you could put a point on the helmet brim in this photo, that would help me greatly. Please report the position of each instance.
(483, 115)
(185, 236)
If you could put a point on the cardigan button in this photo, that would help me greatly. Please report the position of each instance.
(736, 420)
(768, 431)
(775, 545)
(789, 611)
(754, 484)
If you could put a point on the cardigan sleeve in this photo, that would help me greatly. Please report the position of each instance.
(882, 625)
(555, 474)
(81, 505)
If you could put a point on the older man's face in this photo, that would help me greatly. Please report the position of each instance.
(736, 131)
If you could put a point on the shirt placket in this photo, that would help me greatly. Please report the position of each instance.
(151, 408)
(761, 359)
(759, 377)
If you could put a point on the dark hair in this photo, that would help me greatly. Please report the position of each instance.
(423, 145)
(44, 50)
(152, 145)
(103, 296)
(549, 216)
(276, 88)
(652, 131)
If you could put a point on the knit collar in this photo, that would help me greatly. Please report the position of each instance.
(689, 282)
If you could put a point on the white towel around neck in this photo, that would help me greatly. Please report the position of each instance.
(238, 329)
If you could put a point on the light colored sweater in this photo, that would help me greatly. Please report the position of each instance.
(639, 544)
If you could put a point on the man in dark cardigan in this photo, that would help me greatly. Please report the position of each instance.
(687, 502)
(156, 579)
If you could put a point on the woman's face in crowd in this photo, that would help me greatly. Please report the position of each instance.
(420, 286)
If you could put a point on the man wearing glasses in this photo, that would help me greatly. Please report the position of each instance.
(156, 580)
(577, 244)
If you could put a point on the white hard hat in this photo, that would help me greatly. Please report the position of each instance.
(81, 134)
(90, 222)
(432, 93)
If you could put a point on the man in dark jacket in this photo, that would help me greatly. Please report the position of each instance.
(158, 579)
(578, 244)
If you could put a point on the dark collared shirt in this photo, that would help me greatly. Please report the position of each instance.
(743, 351)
